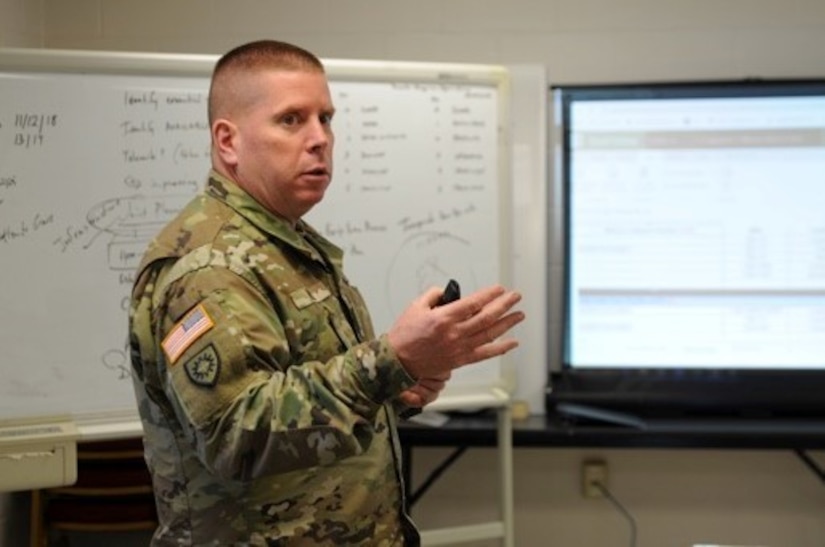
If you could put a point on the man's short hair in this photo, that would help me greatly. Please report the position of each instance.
(257, 56)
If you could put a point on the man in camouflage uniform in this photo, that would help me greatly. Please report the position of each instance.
(268, 403)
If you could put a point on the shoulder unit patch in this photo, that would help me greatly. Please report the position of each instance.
(203, 369)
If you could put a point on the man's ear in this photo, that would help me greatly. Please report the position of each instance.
(224, 135)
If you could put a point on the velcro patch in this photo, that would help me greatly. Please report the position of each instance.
(188, 329)
(203, 369)
(306, 297)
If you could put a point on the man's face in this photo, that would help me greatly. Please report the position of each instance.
(283, 141)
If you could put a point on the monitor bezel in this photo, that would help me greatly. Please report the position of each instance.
(649, 390)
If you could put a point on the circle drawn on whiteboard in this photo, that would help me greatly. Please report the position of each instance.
(425, 260)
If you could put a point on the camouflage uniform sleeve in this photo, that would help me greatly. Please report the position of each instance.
(266, 385)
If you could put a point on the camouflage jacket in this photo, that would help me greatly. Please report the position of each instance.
(266, 398)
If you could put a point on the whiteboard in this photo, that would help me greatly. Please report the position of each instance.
(99, 150)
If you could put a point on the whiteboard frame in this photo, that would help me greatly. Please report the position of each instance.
(125, 424)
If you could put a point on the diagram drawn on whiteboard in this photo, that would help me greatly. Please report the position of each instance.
(425, 260)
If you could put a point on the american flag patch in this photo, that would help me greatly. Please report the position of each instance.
(185, 332)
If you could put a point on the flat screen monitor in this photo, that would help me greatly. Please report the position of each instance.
(691, 253)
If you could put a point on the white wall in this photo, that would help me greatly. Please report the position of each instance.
(21, 23)
(677, 497)
(577, 40)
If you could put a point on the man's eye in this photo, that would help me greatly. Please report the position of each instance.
(290, 119)
(326, 119)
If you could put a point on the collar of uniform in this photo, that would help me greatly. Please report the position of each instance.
(303, 237)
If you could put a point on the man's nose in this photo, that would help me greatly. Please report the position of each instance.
(320, 135)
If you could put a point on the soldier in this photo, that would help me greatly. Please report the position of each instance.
(268, 403)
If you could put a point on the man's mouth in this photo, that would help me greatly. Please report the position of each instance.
(317, 172)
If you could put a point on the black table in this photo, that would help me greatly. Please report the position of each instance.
(479, 430)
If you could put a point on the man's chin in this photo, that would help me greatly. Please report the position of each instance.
(310, 200)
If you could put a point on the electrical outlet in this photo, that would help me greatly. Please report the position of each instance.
(594, 472)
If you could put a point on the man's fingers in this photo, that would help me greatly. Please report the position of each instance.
(425, 391)
(490, 315)
(503, 325)
(430, 340)
(411, 399)
(472, 304)
(486, 351)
